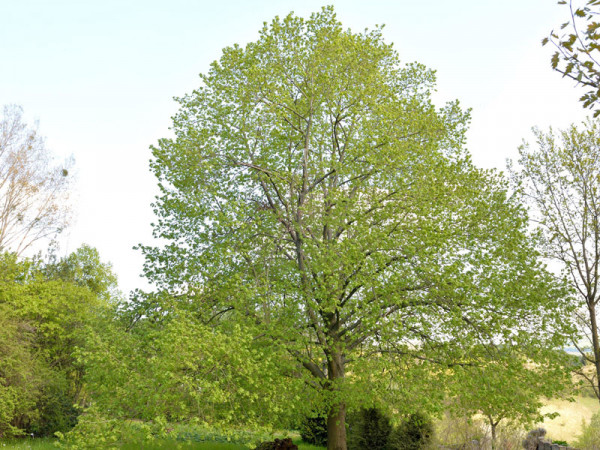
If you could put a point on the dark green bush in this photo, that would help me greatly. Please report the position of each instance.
(414, 433)
(56, 410)
(369, 429)
(313, 430)
(277, 444)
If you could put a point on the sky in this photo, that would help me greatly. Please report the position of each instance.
(99, 77)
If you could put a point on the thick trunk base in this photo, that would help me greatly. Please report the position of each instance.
(336, 428)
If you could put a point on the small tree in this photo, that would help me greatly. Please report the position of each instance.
(560, 179)
(33, 193)
(510, 389)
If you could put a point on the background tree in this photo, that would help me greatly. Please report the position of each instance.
(511, 389)
(560, 179)
(33, 193)
(85, 268)
(45, 325)
(577, 47)
(314, 195)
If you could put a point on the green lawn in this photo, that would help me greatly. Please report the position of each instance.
(28, 443)
(48, 444)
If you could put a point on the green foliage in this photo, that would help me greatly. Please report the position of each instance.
(413, 433)
(590, 434)
(511, 389)
(21, 374)
(44, 322)
(316, 199)
(96, 430)
(57, 411)
(278, 444)
(84, 268)
(576, 47)
(314, 430)
(184, 370)
(368, 428)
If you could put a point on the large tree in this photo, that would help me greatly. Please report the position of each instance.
(314, 194)
(560, 178)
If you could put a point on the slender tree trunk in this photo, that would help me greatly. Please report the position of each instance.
(595, 344)
(493, 426)
(336, 419)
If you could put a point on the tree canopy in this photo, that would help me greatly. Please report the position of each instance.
(576, 50)
(33, 193)
(560, 179)
(44, 324)
(315, 196)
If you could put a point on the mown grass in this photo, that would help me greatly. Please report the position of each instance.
(27, 444)
(48, 444)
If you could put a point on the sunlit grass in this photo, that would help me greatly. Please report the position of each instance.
(567, 426)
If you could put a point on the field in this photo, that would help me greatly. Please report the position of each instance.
(568, 425)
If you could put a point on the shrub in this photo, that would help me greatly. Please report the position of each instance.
(416, 432)
(313, 430)
(56, 410)
(459, 431)
(278, 444)
(369, 429)
(590, 434)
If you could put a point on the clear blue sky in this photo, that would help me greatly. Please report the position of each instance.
(100, 77)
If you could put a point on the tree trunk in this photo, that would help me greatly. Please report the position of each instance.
(336, 419)
(336, 428)
(595, 344)
(493, 426)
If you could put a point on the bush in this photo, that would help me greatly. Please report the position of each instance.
(369, 429)
(590, 434)
(313, 430)
(56, 411)
(459, 431)
(416, 432)
(278, 444)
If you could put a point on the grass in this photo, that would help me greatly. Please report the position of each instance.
(27, 444)
(48, 444)
(567, 426)
(172, 444)
(208, 446)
